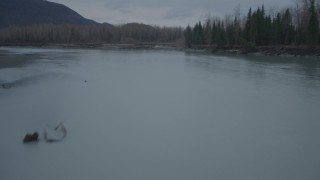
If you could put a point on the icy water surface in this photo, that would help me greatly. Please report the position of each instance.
(159, 115)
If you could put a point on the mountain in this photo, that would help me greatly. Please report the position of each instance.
(29, 12)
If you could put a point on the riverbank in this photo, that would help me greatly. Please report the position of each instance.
(98, 45)
(278, 50)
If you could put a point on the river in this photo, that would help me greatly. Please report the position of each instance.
(159, 114)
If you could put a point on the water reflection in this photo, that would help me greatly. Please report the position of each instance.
(22, 66)
(7, 60)
(261, 69)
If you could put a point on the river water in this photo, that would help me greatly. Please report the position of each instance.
(159, 114)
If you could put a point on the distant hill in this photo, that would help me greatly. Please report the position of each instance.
(29, 12)
(137, 26)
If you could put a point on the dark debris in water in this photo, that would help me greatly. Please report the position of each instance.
(6, 85)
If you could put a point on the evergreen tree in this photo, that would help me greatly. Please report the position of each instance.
(267, 38)
(220, 34)
(277, 25)
(247, 30)
(213, 33)
(230, 34)
(207, 31)
(188, 36)
(313, 27)
(287, 27)
(237, 30)
(198, 34)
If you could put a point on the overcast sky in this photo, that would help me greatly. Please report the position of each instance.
(163, 12)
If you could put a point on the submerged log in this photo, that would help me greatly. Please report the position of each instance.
(6, 86)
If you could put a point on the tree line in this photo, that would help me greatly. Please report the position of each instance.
(297, 25)
(102, 33)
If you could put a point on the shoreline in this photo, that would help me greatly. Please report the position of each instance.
(276, 50)
(98, 45)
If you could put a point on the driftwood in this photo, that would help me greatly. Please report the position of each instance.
(59, 129)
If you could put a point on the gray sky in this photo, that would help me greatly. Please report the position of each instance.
(163, 12)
